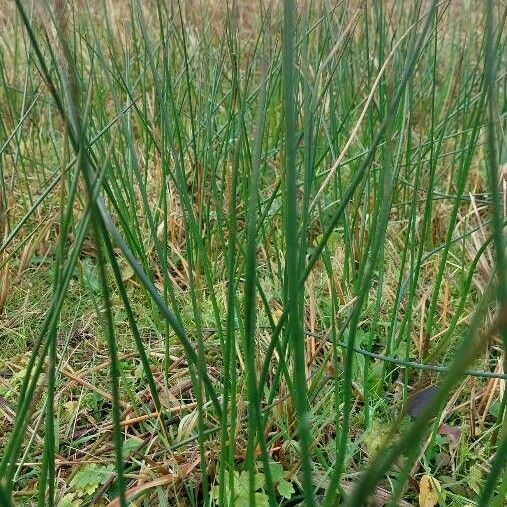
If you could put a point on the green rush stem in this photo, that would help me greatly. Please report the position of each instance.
(492, 165)
(294, 330)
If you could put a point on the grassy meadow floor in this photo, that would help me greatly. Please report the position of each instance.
(237, 238)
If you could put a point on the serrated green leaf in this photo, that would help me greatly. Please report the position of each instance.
(215, 492)
(285, 488)
(130, 445)
(241, 485)
(91, 276)
(261, 500)
(89, 478)
(277, 471)
(259, 480)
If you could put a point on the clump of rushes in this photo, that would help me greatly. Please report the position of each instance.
(237, 238)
